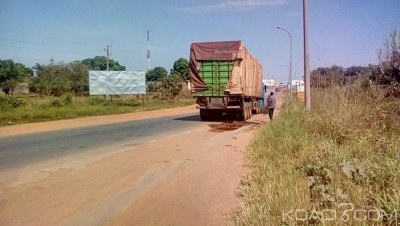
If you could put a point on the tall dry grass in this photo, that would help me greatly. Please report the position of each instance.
(338, 164)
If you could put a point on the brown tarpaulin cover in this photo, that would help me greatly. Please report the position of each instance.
(246, 78)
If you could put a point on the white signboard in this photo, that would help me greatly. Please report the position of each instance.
(117, 82)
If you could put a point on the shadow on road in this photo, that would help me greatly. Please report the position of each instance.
(196, 118)
(190, 118)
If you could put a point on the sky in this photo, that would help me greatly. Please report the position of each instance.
(341, 32)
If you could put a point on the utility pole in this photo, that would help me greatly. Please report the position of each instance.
(148, 50)
(306, 58)
(108, 50)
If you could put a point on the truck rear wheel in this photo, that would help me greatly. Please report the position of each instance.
(246, 109)
(249, 110)
(204, 115)
(243, 113)
(257, 110)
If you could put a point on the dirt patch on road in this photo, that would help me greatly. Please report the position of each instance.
(228, 126)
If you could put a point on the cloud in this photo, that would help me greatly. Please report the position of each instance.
(233, 5)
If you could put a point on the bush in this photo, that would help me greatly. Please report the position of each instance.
(152, 87)
(11, 101)
(344, 150)
(67, 100)
(171, 86)
(56, 103)
(185, 94)
(94, 101)
(387, 73)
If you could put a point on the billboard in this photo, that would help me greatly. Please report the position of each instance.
(117, 82)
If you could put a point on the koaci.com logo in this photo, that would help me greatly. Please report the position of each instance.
(345, 212)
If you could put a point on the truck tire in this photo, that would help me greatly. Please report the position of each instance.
(249, 110)
(257, 108)
(204, 115)
(243, 112)
(253, 108)
(246, 110)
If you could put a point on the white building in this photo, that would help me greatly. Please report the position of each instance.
(298, 84)
(269, 82)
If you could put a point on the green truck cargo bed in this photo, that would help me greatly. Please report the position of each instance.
(216, 75)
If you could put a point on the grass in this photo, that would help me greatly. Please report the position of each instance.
(338, 164)
(17, 110)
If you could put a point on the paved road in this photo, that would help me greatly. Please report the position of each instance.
(20, 150)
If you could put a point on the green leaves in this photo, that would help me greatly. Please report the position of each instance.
(156, 74)
(179, 72)
(11, 74)
(99, 63)
(10, 101)
(181, 68)
(171, 86)
(57, 79)
(53, 79)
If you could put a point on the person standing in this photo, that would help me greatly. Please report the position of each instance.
(271, 102)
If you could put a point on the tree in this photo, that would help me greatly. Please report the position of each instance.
(181, 67)
(356, 70)
(58, 79)
(171, 86)
(11, 74)
(78, 75)
(53, 79)
(324, 77)
(387, 73)
(156, 74)
(99, 63)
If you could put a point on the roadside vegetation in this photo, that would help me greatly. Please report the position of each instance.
(61, 91)
(24, 109)
(337, 164)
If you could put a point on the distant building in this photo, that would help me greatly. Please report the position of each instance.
(298, 85)
(269, 82)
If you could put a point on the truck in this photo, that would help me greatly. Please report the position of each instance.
(225, 80)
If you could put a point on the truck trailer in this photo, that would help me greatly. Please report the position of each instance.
(225, 79)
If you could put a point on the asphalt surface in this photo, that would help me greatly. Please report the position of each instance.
(17, 151)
